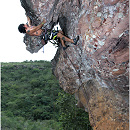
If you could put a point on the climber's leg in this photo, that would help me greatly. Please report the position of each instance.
(61, 32)
(62, 42)
(75, 40)
(64, 38)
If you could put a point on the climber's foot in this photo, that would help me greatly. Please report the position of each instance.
(75, 40)
(64, 48)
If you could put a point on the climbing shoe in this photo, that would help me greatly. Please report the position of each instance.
(64, 48)
(75, 40)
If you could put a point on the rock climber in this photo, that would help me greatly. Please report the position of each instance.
(38, 31)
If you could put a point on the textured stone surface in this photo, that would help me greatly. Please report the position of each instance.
(96, 69)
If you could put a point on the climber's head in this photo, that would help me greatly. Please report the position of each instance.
(22, 28)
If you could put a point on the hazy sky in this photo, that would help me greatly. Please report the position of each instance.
(12, 47)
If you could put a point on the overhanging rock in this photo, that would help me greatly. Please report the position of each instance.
(95, 70)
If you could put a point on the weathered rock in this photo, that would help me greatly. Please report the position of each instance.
(96, 69)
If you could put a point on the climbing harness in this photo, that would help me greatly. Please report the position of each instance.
(51, 36)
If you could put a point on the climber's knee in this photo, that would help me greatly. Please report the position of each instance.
(59, 35)
(63, 38)
(61, 32)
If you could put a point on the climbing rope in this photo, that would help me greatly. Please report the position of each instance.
(77, 73)
(79, 86)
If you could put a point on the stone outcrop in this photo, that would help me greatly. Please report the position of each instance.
(96, 69)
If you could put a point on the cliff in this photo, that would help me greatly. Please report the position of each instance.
(95, 70)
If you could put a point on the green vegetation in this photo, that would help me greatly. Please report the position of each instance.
(72, 118)
(33, 100)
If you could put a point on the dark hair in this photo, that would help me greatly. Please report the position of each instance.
(21, 28)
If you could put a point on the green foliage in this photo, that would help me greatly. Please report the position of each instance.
(72, 118)
(19, 123)
(32, 100)
(27, 90)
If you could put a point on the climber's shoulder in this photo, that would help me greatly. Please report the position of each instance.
(30, 31)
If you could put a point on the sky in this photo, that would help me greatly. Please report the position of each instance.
(12, 47)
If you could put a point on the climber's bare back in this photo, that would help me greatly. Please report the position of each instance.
(36, 33)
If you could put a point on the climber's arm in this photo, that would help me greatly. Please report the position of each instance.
(32, 30)
(29, 21)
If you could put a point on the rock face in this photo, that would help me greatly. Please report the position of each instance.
(96, 69)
